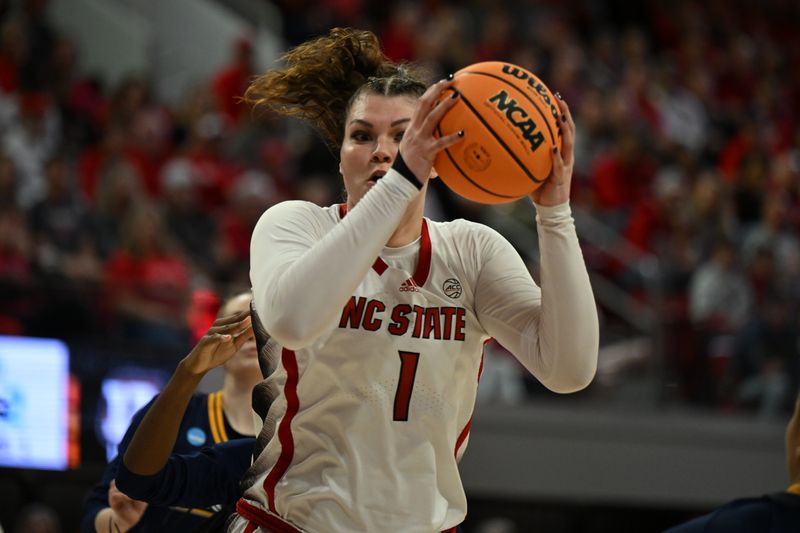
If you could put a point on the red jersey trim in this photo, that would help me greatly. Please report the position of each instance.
(465, 432)
(424, 262)
(289, 362)
(261, 518)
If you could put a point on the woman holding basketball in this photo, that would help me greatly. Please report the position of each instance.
(380, 315)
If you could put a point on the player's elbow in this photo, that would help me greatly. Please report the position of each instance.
(574, 380)
(290, 332)
(575, 371)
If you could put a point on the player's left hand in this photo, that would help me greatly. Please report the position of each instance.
(127, 511)
(220, 343)
(555, 189)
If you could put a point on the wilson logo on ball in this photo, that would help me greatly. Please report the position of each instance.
(534, 84)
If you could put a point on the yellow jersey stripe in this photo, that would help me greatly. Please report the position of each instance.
(794, 489)
(223, 435)
(212, 399)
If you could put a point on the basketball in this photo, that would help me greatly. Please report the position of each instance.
(511, 122)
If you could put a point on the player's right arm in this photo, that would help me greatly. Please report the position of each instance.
(302, 276)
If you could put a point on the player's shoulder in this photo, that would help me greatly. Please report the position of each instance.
(462, 231)
(290, 208)
(296, 213)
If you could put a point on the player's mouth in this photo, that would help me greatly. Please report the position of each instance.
(375, 176)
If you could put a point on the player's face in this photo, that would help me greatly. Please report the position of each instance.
(372, 135)
(246, 358)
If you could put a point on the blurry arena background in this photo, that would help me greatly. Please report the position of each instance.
(120, 134)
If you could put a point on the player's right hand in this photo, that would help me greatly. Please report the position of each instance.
(419, 145)
(220, 343)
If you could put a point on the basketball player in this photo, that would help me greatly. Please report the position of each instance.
(381, 314)
(209, 419)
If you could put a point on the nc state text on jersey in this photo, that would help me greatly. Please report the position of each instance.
(440, 323)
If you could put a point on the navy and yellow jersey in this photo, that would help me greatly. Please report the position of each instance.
(772, 513)
(204, 424)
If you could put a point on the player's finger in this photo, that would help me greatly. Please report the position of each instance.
(447, 141)
(243, 323)
(242, 337)
(436, 114)
(235, 317)
(567, 131)
(558, 165)
(428, 99)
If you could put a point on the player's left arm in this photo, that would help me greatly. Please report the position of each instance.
(554, 330)
(208, 477)
(155, 437)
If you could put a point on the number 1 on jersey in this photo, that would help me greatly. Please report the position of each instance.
(408, 372)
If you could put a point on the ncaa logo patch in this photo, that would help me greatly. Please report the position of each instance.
(196, 436)
(452, 288)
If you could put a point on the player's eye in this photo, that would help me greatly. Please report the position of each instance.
(360, 136)
(399, 135)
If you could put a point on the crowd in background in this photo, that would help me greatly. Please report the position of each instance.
(122, 217)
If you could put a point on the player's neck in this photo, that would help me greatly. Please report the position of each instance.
(237, 403)
(410, 226)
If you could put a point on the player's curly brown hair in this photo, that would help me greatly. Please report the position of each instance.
(321, 78)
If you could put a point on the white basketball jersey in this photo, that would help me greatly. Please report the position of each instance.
(367, 424)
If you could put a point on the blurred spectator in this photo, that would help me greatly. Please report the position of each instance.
(213, 172)
(720, 302)
(772, 232)
(40, 37)
(232, 81)
(148, 282)
(119, 191)
(62, 228)
(37, 518)
(16, 247)
(193, 228)
(8, 183)
(251, 196)
(767, 357)
(31, 139)
(720, 298)
(12, 54)
(621, 177)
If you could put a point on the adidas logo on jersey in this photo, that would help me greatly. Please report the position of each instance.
(409, 286)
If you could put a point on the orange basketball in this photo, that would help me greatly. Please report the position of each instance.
(510, 121)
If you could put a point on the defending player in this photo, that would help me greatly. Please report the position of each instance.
(209, 419)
